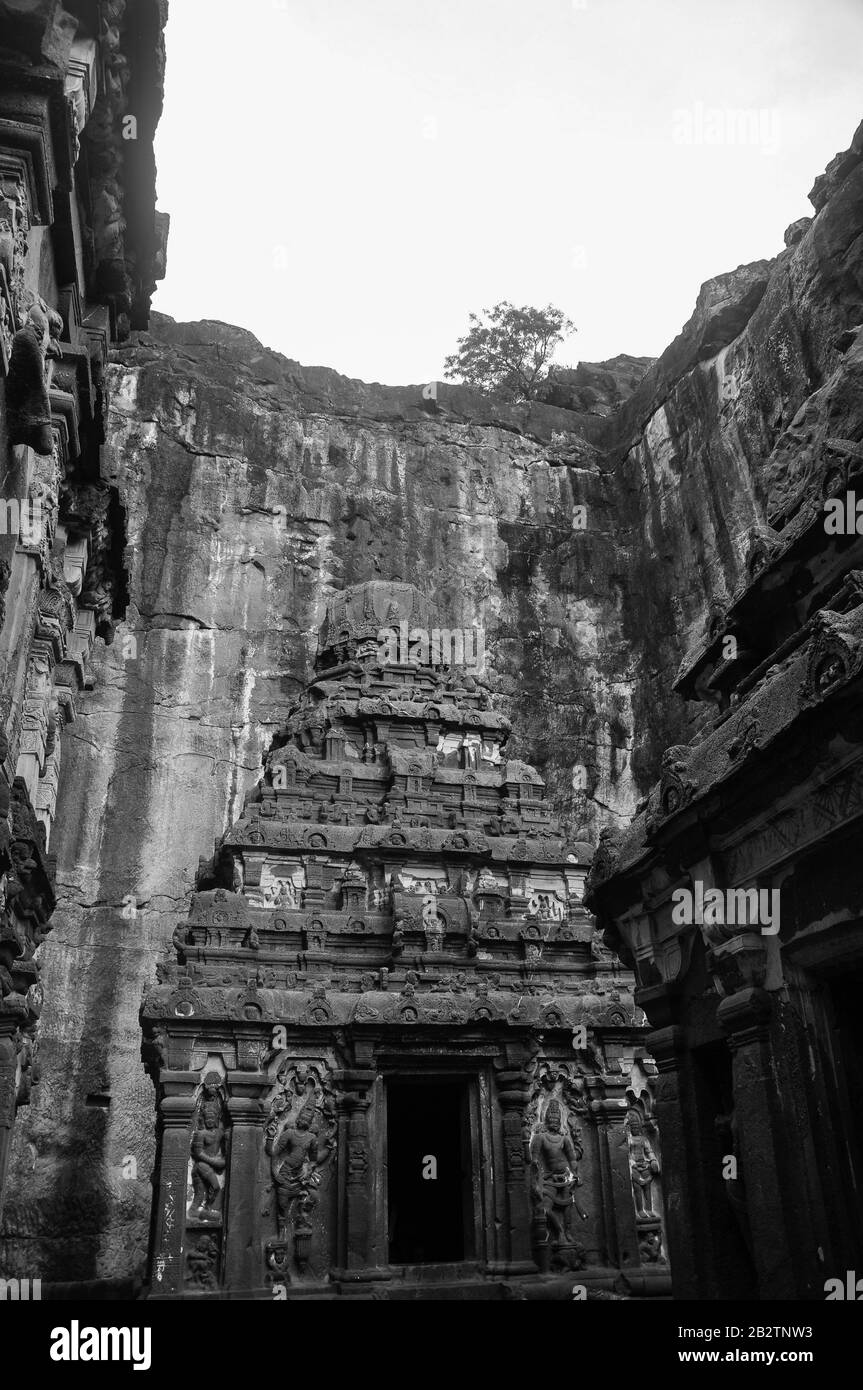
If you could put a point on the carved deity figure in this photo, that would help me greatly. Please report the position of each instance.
(433, 925)
(280, 892)
(553, 1161)
(471, 748)
(487, 883)
(643, 1163)
(546, 906)
(27, 403)
(208, 1157)
(202, 1263)
(297, 1157)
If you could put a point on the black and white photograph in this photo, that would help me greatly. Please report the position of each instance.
(431, 672)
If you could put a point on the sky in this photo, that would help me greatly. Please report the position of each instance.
(350, 179)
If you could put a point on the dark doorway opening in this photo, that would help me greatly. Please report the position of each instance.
(845, 995)
(732, 1267)
(427, 1171)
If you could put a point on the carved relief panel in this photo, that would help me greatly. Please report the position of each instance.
(208, 1154)
(641, 1138)
(206, 1186)
(555, 1146)
(300, 1142)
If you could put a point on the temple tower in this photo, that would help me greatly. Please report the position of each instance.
(391, 1057)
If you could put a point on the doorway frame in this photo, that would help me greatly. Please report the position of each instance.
(475, 1142)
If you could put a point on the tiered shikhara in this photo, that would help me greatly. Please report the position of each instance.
(396, 905)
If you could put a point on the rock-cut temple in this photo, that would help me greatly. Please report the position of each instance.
(391, 1056)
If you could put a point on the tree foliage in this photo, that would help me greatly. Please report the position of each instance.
(506, 351)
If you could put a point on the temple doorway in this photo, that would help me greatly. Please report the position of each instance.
(428, 1171)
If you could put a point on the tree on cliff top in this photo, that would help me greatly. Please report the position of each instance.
(508, 355)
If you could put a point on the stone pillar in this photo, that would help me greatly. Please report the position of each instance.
(242, 1214)
(609, 1114)
(676, 1115)
(356, 1175)
(513, 1096)
(759, 1124)
(8, 1089)
(176, 1109)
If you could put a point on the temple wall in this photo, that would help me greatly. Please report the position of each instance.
(80, 96)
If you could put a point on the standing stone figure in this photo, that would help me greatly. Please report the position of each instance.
(553, 1162)
(643, 1164)
(27, 403)
(297, 1157)
(432, 925)
(208, 1157)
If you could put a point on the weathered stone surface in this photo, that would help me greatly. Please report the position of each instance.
(254, 487)
(736, 893)
(76, 266)
(698, 445)
(600, 388)
(837, 171)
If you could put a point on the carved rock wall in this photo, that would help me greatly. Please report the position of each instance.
(254, 486)
(722, 426)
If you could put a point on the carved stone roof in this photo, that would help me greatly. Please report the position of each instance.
(389, 843)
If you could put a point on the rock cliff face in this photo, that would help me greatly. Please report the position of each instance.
(589, 545)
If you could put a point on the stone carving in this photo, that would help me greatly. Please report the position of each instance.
(676, 788)
(604, 861)
(202, 1263)
(384, 908)
(27, 403)
(14, 229)
(300, 1141)
(434, 925)
(643, 1164)
(746, 736)
(547, 907)
(403, 921)
(835, 654)
(554, 1156)
(650, 1245)
(763, 545)
(827, 806)
(209, 1142)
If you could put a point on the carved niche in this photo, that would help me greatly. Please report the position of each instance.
(209, 1153)
(555, 1146)
(27, 402)
(300, 1141)
(835, 654)
(207, 1170)
(644, 1171)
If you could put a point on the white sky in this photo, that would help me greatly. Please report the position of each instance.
(350, 178)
